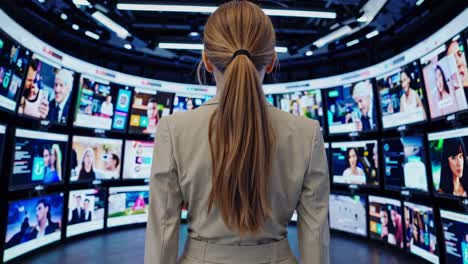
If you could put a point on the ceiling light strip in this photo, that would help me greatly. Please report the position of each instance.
(194, 46)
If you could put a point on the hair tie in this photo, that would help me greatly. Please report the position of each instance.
(241, 52)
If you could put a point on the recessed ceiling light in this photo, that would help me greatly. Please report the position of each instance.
(75, 27)
(194, 34)
(128, 46)
(64, 16)
(372, 34)
(309, 53)
(352, 42)
(92, 35)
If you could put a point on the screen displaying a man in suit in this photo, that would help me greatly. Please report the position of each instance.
(32, 219)
(85, 211)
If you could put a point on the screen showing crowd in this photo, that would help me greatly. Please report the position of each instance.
(85, 211)
(13, 62)
(455, 228)
(102, 105)
(32, 223)
(95, 159)
(351, 108)
(138, 159)
(385, 220)
(304, 103)
(401, 96)
(449, 157)
(348, 213)
(47, 91)
(148, 107)
(405, 163)
(39, 159)
(355, 163)
(421, 233)
(127, 205)
(446, 78)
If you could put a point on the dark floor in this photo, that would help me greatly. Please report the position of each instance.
(127, 246)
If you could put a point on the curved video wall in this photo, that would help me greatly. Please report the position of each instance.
(76, 143)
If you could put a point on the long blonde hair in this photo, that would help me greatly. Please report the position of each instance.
(242, 140)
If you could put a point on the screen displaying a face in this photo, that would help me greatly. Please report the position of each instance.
(148, 107)
(355, 162)
(405, 162)
(39, 159)
(14, 60)
(95, 159)
(348, 213)
(386, 220)
(420, 231)
(305, 103)
(138, 159)
(446, 78)
(455, 226)
(351, 108)
(449, 159)
(102, 105)
(32, 223)
(128, 205)
(187, 103)
(401, 96)
(85, 211)
(47, 91)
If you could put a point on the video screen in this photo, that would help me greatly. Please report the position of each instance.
(39, 159)
(95, 159)
(355, 162)
(32, 223)
(455, 226)
(102, 105)
(85, 211)
(351, 108)
(446, 78)
(148, 107)
(386, 220)
(348, 213)
(421, 232)
(401, 96)
(186, 103)
(128, 205)
(448, 157)
(405, 162)
(305, 103)
(138, 159)
(47, 92)
(2, 141)
(13, 62)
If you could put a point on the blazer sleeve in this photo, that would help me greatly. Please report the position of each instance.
(313, 229)
(162, 232)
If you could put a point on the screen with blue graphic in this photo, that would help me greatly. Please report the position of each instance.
(13, 62)
(32, 223)
(421, 232)
(455, 227)
(39, 159)
(386, 220)
(405, 163)
(102, 105)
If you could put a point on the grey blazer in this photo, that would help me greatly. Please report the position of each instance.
(181, 173)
